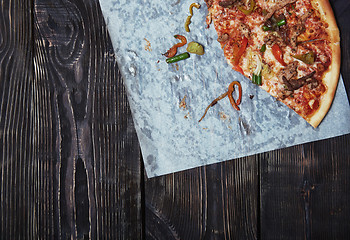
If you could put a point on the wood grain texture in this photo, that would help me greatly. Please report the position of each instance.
(219, 201)
(70, 160)
(18, 188)
(95, 167)
(70, 164)
(305, 195)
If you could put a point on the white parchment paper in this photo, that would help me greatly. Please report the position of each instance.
(170, 136)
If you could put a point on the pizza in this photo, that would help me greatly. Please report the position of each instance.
(290, 48)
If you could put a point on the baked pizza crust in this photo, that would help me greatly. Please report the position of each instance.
(327, 15)
(331, 77)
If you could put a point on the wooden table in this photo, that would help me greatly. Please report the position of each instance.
(70, 161)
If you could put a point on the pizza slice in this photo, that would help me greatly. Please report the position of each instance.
(290, 48)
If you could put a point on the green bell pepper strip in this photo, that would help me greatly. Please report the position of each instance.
(257, 79)
(308, 58)
(179, 57)
(250, 9)
(281, 22)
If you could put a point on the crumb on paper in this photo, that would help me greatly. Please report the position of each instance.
(157, 65)
(183, 103)
(183, 106)
(148, 45)
(176, 66)
(223, 116)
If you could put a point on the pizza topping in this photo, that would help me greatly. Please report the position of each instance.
(273, 24)
(294, 84)
(231, 89)
(281, 22)
(273, 38)
(287, 75)
(179, 57)
(278, 30)
(209, 2)
(258, 68)
(277, 53)
(215, 101)
(256, 77)
(234, 103)
(250, 9)
(292, 40)
(243, 29)
(308, 58)
(279, 5)
(188, 19)
(227, 3)
(196, 5)
(187, 23)
(266, 28)
(236, 51)
(288, 72)
(295, 31)
(223, 38)
(238, 69)
(240, 51)
(194, 47)
(298, 28)
(172, 51)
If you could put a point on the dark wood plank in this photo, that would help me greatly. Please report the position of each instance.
(305, 189)
(219, 201)
(70, 160)
(284, 184)
(17, 150)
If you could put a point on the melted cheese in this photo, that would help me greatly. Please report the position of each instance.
(233, 22)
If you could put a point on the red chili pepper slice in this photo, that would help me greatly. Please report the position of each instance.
(215, 101)
(172, 51)
(277, 53)
(231, 89)
(240, 51)
(239, 54)
(238, 69)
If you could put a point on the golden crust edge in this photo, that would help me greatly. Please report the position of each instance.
(327, 14)
(331, 77)
(331, 81)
